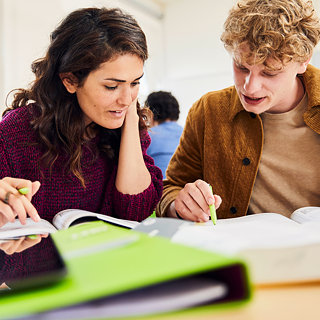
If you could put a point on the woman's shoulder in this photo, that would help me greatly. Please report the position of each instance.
(18, 115)
(16, 122)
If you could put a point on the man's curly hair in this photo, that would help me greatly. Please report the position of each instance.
(283, 30)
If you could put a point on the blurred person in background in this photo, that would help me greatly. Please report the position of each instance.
(165, 133)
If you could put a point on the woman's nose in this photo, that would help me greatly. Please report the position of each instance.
(125, 97)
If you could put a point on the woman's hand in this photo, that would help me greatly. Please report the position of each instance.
(133, 176)
(132, 117)
(13, 204)
(192, 203)
(3, 286)
(13, 246)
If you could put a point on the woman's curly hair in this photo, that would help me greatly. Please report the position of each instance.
(283, 30)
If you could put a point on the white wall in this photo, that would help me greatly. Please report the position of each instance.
(195, 60)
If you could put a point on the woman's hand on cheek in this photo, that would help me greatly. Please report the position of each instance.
(132, 114)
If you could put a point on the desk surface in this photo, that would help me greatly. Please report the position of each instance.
(296, 302)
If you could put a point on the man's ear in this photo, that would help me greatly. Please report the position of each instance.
(69, 80)
(303, 66)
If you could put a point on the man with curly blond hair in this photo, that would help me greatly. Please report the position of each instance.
(258, 142)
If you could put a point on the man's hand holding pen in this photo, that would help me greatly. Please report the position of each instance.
(194, 201)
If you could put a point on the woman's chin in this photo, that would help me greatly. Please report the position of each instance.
(113, 125)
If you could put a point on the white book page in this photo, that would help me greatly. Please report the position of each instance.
(63, 219)
(16, 229)
(306, 214)
(232, 236)
(265, 218)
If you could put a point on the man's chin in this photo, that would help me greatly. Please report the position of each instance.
(257, 109)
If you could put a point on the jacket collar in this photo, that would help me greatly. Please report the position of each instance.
(235, 104)
(311, 79)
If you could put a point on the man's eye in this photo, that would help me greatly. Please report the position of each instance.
(242, 69)
(270, 75)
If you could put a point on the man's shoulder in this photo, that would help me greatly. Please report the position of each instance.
(213, 101)
(218, 96)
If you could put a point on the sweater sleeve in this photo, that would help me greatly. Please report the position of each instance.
(140, 206)
(186, 165)
(4, 166)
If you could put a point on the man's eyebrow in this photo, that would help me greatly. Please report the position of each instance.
(267, 69)
(118, 80)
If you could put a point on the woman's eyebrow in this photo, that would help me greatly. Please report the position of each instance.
(118, 80)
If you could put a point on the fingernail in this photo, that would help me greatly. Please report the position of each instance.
(206, 218)
(38, 218)
(210, 201)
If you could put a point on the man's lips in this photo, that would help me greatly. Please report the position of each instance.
(252, 101)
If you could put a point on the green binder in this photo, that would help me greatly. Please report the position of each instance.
(107, 261)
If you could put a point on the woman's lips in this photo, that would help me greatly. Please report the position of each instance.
(117, 113)
(252, 101)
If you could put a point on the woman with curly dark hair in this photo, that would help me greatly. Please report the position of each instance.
(77, 138)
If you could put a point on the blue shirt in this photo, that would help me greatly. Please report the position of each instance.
(164, 141)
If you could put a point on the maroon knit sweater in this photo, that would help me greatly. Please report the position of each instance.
(60, 191)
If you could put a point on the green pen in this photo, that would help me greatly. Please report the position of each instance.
(213, 211)
(32, 236)
(24, 190)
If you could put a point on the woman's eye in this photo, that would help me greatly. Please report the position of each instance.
(135, 83)
(111, 88)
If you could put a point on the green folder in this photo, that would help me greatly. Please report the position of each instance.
(104, 261)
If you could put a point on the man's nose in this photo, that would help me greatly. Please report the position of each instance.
(252, 84)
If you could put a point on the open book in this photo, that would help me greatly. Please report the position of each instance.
(277, 249)
(62, 220)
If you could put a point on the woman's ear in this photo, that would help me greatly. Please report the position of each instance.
(69, 80)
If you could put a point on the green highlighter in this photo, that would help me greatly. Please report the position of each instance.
(32, 236)
(23, 190)
(213, 211)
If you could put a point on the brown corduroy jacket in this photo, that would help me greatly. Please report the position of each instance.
(222, 145)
